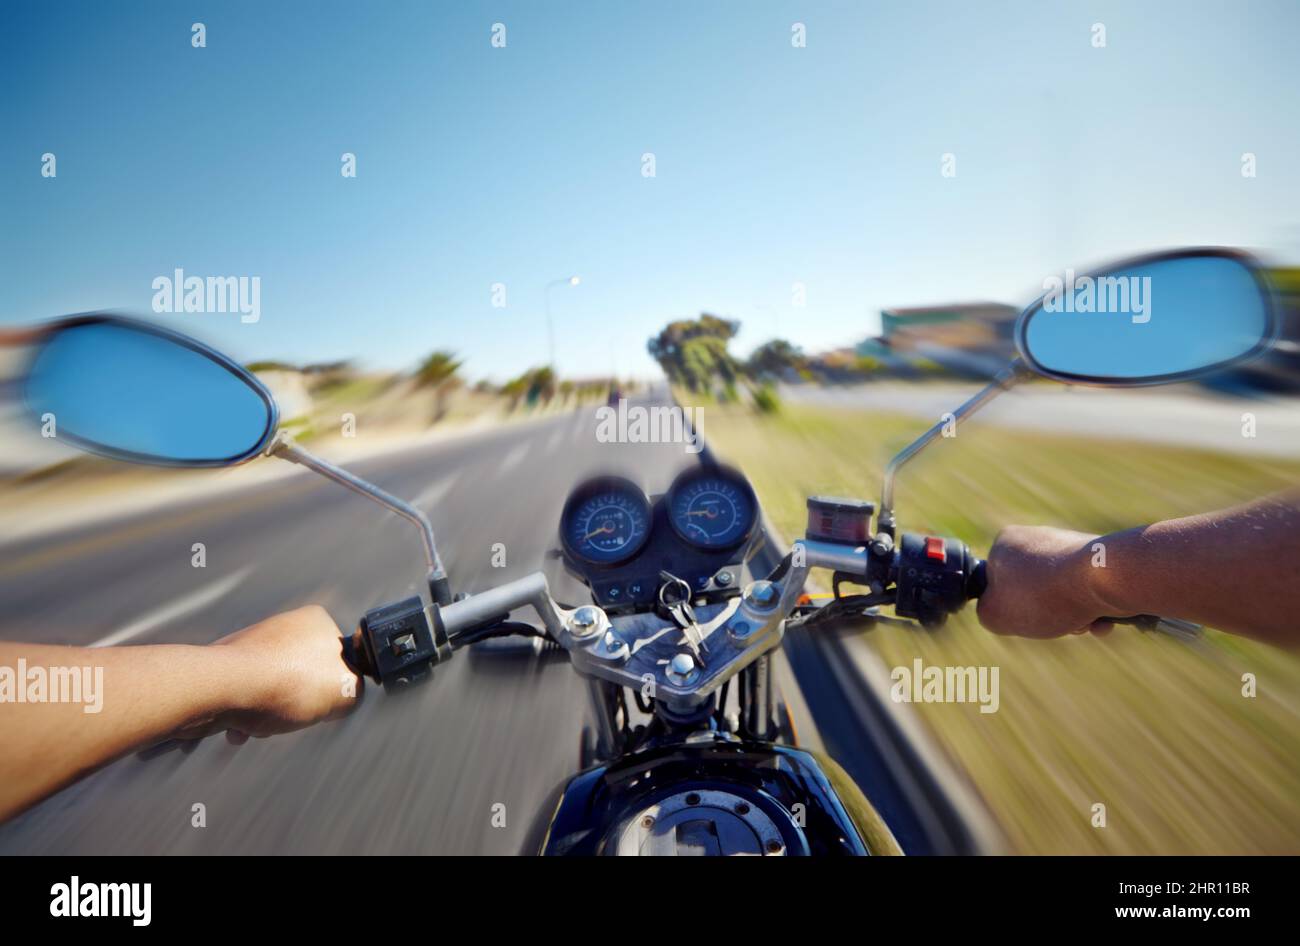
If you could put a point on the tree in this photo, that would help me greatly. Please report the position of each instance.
(533, 385)
(438, 371)
(775, 359)
(694, 352)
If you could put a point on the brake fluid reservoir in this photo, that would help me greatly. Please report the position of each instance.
(843, 521)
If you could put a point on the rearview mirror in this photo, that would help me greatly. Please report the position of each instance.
(1150, 320)
(134, 391)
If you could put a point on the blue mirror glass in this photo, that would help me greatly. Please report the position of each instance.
(136, 392)
(1152, 320)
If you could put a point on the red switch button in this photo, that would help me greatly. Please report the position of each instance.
(935, 548)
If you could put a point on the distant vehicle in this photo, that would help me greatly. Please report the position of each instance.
(615, 395)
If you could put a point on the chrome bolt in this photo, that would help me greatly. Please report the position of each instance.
(585, 621)
(762, 596)
(612, 647)
(681, 669)
(723, 578)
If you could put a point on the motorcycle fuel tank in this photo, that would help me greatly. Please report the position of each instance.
(707, 796)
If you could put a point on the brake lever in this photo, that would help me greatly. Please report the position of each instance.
(1186, 631)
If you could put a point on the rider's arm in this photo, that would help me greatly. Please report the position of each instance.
(1236, 569)
(281, 674)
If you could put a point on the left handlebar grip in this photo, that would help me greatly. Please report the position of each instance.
(357, 657)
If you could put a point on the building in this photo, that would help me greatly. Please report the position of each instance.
(967, 338)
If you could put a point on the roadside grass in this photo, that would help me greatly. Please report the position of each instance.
(1156, 730)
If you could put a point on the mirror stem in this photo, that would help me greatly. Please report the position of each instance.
(1007, 378)
(284, 448)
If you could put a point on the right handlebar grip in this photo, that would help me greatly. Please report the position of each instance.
(977, 581)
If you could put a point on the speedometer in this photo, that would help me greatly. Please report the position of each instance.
(605, 521)
(712, 507)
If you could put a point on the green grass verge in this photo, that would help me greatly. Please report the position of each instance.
(1158, 732)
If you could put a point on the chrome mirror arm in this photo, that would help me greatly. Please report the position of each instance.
(1005, 379)
(283, 446)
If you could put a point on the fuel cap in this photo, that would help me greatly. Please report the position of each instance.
(701, 824)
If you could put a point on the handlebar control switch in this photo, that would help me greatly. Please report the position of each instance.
(931, 577)
(401, 644)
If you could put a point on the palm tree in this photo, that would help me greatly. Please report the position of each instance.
(438, 371)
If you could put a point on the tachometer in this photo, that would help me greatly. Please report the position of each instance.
(712, 507)
(605, 521)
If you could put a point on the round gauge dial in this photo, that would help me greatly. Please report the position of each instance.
(606, 521)
(712, 509)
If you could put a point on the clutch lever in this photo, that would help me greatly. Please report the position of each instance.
(168, 745)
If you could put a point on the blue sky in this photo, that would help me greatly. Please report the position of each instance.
(475, 165)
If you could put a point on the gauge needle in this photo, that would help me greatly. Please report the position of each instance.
(607, 527)
(710, 512)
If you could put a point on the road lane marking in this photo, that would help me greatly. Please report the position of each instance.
(513, 459)
(554, 440)
(178, 608)
(435, 493)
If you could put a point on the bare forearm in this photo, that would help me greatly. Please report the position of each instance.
(1237, 569)
(69, 710)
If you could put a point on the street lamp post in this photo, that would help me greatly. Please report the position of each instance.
(550, 328)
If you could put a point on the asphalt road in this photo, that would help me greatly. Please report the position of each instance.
(420, 773)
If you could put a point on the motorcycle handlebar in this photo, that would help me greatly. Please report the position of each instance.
(495, 603)
(402, 642)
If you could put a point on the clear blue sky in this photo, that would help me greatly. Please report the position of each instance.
(476, 165)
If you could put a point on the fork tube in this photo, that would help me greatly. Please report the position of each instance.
(760, 698)
(606, 746)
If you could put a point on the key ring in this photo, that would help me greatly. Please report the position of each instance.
(672, 581)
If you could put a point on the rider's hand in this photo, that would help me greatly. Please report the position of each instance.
(293, 672)
(1040, 584)
(281, 674)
